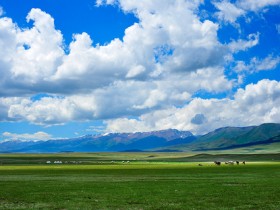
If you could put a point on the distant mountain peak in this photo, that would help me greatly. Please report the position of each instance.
(104, 142)
(163, 140)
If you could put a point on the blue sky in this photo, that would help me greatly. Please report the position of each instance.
(102, 23)
(76, 68)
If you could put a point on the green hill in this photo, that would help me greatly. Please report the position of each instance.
(234, 137)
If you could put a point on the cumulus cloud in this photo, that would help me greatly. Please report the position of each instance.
(44, 111)
(119, 99)
(160, 44)
(28, 57)
(5, 104)
(26, 136)
(130, 76)
(40, 49)
(246, 108)
(152, 72)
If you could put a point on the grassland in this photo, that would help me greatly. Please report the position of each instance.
(96, 158)
(254, 149)
(148, 181)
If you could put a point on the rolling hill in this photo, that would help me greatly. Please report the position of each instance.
(234, 137)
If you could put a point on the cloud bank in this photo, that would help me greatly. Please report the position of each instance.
(145, 81)
(38, 136)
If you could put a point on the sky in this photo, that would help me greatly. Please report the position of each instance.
(72, 68)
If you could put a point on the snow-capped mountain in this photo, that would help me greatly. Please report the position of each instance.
(107, 142)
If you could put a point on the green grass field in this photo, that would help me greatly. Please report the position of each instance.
(97, 183)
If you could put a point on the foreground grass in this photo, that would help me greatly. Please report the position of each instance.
(141, 186)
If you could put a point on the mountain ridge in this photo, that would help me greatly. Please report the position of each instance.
(111, 142)
(163, 140)
(234, 137)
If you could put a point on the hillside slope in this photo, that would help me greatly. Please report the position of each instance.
(234, 137)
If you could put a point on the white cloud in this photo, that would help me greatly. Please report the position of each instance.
(256, 65)
(228, 12)
(135, 71)
(28, 57)
(167, 38)
(45, 111)
(246, 108)
(40, 50)
(120, 98)
(103, 2)
(132, 76)
(127, 126)
(5, 104)
(242, 45)
(26, 136)
(8, 44)
(255, 6)
(156, 68)
(266, 64)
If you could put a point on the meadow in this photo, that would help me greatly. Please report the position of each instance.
(147, 181)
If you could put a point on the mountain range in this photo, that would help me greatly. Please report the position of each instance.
(164, 140)
(110, 142)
